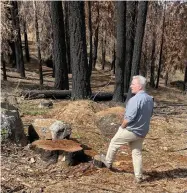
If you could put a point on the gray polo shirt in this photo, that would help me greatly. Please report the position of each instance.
(138, 113)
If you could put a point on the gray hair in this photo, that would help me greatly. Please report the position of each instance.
(141, 79)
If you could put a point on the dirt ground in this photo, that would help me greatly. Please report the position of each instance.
(164, 151)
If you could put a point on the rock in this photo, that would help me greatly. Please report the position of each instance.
(32, 160)
(11, 125)
(60, 130)
(45, 104)
(48, 129)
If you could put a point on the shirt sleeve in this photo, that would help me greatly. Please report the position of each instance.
(131, 110)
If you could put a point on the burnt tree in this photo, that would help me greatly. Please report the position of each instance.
(96, 38)
(185, 77)
(11, 43)
(120, 52)
(90, 36)
(27, 54)
(113, 59)
(130, 32)
(66, 24)
(17, 39)
(80, 72)
(4, 66)
(141, 20)
(103, 42)
(38, 43)
(152, 74)
(161, 49)
(59, 46)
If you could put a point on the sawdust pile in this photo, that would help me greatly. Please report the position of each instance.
(87, 119)
(112, 110)
(79, 113)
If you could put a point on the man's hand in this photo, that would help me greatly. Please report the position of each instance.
(124, 124)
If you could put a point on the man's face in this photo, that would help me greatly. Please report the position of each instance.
(135, 86)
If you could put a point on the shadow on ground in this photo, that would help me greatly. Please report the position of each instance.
(169, 174)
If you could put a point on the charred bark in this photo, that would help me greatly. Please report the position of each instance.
(18, 45)
(27, 54)
(59, 46)
(152, 74)
(96, 38)
(81, 88)
(4, 67)
(161, 49)
(185, 78)
(130, 33)
(61, 94)
(90, 36)
(38, 43)
(141, 20)
(120, 52)
(103, 48)
(66, 23)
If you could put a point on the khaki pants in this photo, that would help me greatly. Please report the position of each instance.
(124, 136)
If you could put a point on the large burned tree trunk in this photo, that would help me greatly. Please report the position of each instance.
(59, 46)
(90, 37)
(66, 24)
(152, 74)
(38, 43)
(120, 52)
(80, 72)
(17, 40)
(185, 77)
(103, 42)
(130, 32)
(113, 59)
(141, 20)
(161, 49)
(4, 66)
(27, 54)
(60, 94)
(96, 38)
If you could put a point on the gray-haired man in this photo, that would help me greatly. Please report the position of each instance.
(134, 127)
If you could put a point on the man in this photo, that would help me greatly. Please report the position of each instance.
(134, 127)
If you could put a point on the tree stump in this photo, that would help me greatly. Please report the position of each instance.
(51, 149)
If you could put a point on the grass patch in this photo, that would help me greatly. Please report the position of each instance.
(35, 112)
(32, 109)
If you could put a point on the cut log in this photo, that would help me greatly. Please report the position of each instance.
(51, 149)
(52, 145)
(63, 94)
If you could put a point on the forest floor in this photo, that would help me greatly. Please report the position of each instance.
(164, 151)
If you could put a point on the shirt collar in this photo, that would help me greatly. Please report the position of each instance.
(141, 91)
